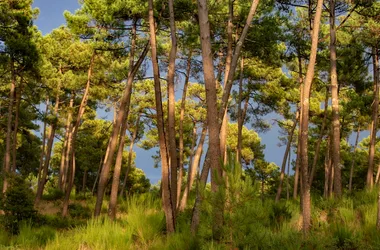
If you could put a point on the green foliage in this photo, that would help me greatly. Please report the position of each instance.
(76, 210)
(17, 204)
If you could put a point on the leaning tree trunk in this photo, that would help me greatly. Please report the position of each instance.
(306, 203)
(321, 134)
(45, 166)
(212, 116)
(193, 169)
(353, 160)
(181, 118)
(240, 114)
(129, 162)
(335, 104)
(119, 155)
(42, 155)
(375, 111)
(120, 117)
(7, 155)
(283, 166)
(73, 135)
(166, 194)
(63, 166)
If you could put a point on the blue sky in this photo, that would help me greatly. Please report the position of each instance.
(51, 17)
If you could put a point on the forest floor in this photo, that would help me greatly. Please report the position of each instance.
(345, 224)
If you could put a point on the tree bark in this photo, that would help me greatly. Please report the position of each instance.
(181, 118)
(121, 116)
(353, 160)
(15, 130)
(171, 111)
(7, 155)
(201, 183)
(321, 134)
(63, 166)
(73, 135)
(166, 194)
(306, 203)
(39, 177)
(283, 166)
(298, 158)
(335, 104)
(327, 169)
(42, 180)
(193, 169)
(375, 111)
(212, 115)
(124, 125)
(240, 115)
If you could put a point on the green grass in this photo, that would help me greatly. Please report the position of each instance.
(249, 224)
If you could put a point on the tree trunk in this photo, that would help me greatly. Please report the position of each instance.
(119, 155)
(353, 160)
(42, 180)
(287, 177)
(321, 134)
(306, 203)
(375, 111)
(181, 118)
(298, 158)
(121, 116)
(240, 117)
(17, 114)
(201, 183)
(73, 135)
(283, 166)
(331, 170)
(166, 194)
(327, 169)
(335, 104)
(39, 177)
(171, 111)
(7, 155)
(63, 166)
(212, 115)
(193, 168)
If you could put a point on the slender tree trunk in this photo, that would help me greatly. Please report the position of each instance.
(321, 134)
(298, 159)
(212, 115)
(17, 114)
(335, 104)
(171, 111)
(121, 116)
(224, 126)
(7, 155)
(73, 135)
(181, 118)
(166, 194)
(375, 111)
(63, 166)
(201, 183)
(331, 170)
(353, 160)
(306, 202)
(193, 169)
(42, 179)
(43, 149)
(119, 155)
(240, 118)
(327, 169)
(378, 211)
(283, 166)
(98, 173)
(287, 177)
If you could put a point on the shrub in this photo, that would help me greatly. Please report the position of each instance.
(18, 204)
(53, 194)
(78, 211)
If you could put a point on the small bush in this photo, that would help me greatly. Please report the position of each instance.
(76, 210)
(279, 213)
(53, 194)
(18, 205)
